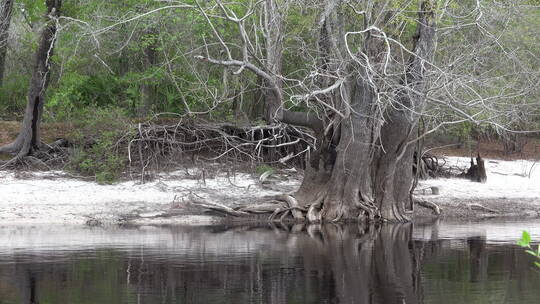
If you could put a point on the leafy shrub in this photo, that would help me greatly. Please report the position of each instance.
(77, 93)
(13, 96)
(263, 169)
(98, 142)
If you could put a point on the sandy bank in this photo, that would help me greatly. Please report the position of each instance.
(512, 190)
(54, 198)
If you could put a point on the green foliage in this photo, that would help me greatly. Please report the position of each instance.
(97, 142)
(33, 10)
(13, 96)
(76, 93)
(525, 242)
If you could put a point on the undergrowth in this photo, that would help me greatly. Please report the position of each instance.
(99, 140)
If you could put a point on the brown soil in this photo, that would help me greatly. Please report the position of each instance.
(50, 131)
(488, 148)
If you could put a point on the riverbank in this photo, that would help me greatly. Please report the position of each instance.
(512, 190)
(53, 197)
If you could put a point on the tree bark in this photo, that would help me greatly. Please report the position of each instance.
(5, 20)
(340, 171)
(273, 35)
(393, 174)
(29, 139)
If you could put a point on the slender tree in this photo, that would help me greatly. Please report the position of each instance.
(29, 139)
(6, 8)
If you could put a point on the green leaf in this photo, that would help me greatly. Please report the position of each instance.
(531, 252)
(525, 239)
(537, 264)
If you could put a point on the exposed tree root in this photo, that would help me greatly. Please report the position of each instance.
(430, 205)
(216, 207)
(270, 143)
(46, 157)
(285, 208)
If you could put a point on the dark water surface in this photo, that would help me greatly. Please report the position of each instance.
(432, 263)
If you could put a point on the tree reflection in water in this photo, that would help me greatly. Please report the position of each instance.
(273, 264)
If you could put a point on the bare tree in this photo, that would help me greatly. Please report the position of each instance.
(29, 139)
(362, 135)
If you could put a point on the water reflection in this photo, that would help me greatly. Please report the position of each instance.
(266, 264)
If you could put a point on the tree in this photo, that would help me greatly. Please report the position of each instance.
(6, 8)
(374, 70)
(28, 140)
(359, 150)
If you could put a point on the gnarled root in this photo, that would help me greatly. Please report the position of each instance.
(287, 208)
(430, 205)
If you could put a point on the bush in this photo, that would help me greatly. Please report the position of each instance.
(263, 169)
(13, 97)
(78, 93)
(98, 144)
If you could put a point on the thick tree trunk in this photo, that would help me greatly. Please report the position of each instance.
(364, 180)
(393, 181)
(29, 139)
(5, 20)
(344, 164)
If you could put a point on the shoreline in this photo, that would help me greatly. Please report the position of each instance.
(51, 197)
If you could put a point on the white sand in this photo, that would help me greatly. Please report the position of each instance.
(45, 198)
(505, 179)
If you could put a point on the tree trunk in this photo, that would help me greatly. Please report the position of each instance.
(5, 20)
(29, 139)
(148, 90)
(273, 35)
(364, 180)
(393, 174)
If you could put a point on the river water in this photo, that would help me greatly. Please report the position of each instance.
(437, 262)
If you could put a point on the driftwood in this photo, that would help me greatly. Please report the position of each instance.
(430, 205)
(431, 166)
(480, 207)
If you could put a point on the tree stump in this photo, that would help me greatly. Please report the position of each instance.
(477, 172)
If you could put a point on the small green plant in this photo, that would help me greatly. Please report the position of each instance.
(263, 169)
(525, 242)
